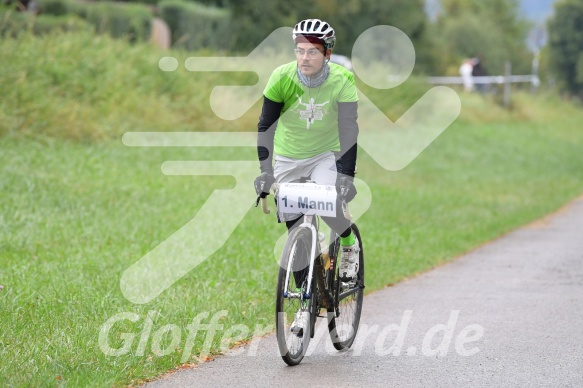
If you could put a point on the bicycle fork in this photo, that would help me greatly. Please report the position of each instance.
(308, 292)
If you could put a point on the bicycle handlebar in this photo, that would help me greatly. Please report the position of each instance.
(264, 206)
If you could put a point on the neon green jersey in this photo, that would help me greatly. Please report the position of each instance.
(308, 125)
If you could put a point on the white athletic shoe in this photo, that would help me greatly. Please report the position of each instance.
(349, 263)
(300, 323)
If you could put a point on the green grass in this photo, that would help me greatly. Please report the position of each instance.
(77, 207)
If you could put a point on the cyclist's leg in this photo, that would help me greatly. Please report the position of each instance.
(287, 170)
(339, 224)
(324, 173)
(322, 169)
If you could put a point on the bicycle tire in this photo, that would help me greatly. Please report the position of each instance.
(343, 328)
(292, 347)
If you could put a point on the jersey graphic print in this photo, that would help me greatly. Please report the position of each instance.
(312, 112)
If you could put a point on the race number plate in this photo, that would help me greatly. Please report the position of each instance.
(307, 198)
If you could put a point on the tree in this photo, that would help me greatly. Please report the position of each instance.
(566, 45)
(490, 29)
(351, 18)
(253, 20)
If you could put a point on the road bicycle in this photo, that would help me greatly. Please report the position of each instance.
(309, 279)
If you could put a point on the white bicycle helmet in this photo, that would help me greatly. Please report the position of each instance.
(315, 28)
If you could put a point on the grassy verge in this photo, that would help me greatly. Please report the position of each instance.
(76, 212)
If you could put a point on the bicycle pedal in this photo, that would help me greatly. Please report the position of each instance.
(347, 282)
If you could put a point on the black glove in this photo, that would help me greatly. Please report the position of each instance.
(345, 188)
(263, 183)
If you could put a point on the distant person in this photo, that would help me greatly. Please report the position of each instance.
(466, 70)
(478, 71)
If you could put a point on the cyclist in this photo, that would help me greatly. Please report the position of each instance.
(308, 124)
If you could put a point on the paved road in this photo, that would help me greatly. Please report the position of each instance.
(510, 311)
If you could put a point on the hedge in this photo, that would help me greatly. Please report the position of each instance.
(13, 23)
(195, 26)
(119, 20)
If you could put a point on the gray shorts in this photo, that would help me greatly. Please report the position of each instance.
(320, 169)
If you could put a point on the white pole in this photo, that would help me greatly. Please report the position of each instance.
(507, 74)
(535, 65)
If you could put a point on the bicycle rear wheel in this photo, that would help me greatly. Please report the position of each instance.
(290, 297)
(343, 323)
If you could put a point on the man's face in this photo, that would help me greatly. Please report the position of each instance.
(310, 57)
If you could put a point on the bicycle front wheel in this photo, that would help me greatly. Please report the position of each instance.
(343, 322)
(290, 297)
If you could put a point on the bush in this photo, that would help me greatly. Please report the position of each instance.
(151, 2)
(119, 20)
(195, 26)
(14, 23)
(54, 7)
(47, 23)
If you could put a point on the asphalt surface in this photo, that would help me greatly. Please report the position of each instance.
(509, 313)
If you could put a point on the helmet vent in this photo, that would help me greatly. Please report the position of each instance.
(316, 28)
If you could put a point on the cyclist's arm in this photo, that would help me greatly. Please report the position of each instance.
(266, 131)
(348, 134)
